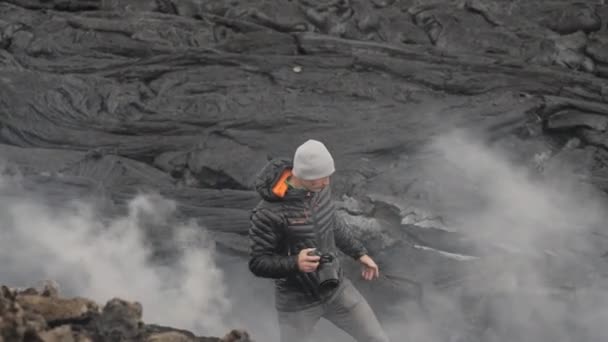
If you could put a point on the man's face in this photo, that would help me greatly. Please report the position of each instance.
(315, 185)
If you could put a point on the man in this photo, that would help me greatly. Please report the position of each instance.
(295, 219)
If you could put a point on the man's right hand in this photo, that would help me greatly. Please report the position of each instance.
(308, 263)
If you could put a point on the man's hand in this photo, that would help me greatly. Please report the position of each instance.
(308, 263)
(370, 269)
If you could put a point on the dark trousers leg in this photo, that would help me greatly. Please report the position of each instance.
(350, 312)
(297, 326)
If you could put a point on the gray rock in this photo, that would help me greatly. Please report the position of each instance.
(120, 320)
(570, 119)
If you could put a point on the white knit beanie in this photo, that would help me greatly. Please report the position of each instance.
(312, 160)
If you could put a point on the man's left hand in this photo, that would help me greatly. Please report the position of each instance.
(370, 269)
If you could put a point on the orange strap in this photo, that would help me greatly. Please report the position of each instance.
(280, 188)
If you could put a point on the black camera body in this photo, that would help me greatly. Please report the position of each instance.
(327, 271)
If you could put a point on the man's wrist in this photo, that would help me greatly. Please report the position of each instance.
(292, 261)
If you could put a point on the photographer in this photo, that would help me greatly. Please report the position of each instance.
(295, 234)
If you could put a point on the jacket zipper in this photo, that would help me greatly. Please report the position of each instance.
(310, 208)
(314, 199)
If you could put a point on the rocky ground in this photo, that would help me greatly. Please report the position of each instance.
(469, 136)
(41, 315)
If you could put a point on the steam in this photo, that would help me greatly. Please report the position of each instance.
(542, 263)
(540, 278)
(102, 259)
(513, 208)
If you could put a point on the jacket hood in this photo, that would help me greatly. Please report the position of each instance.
(270, 182)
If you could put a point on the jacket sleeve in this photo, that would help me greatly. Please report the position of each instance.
(346, 241)
(265, 235)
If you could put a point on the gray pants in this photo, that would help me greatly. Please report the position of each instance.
(349, 311)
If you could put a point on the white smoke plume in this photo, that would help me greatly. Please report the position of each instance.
(106, 258)
(542, 257)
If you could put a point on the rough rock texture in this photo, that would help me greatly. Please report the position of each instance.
(104, 99)
(37, 315)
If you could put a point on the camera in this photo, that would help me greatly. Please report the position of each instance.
(327, 270)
